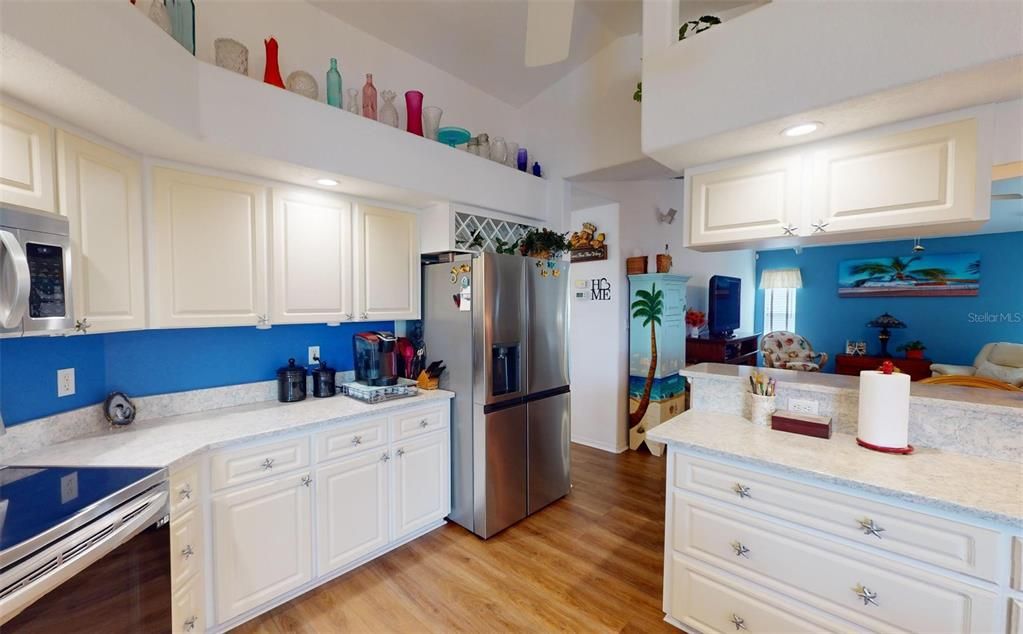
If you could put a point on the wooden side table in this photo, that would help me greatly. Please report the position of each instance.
(852, 364)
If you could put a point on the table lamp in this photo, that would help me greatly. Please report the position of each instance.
(885, 322)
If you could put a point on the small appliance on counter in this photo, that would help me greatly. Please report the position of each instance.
(376, 358)
(291, 383)
(324, 380)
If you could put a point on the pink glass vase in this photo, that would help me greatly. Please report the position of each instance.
(414, 109)
(369, 99)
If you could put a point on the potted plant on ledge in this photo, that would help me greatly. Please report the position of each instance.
(913, 349)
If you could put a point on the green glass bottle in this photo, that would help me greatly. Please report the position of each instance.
(334, 84)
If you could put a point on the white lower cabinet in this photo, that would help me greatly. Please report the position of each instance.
(262, 543)
(188, 607)
(352, 506)
(421, 482)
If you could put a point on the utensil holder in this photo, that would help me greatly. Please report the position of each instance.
(761, 408)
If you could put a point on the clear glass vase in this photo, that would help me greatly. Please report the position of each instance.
(431, 121)
(353, 101)
(388, 113)
(498, 150)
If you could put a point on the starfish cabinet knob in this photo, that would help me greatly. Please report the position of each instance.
(866, 594)
(870, 528)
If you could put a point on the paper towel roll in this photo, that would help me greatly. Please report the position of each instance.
(884, 411)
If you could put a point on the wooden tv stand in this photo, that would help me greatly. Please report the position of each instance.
(741, 349)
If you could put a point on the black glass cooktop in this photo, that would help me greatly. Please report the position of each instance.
(36, 499)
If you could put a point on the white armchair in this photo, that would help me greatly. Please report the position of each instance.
(1002, 361)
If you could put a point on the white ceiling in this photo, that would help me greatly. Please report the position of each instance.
(483, 42)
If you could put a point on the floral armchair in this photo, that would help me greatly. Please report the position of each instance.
(789, 351)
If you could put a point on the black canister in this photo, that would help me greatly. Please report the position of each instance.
(291, 383)
(323, 381)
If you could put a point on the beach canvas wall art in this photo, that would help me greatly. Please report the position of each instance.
(938, 275)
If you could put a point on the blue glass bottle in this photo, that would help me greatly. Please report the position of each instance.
(522, 159)
(334, 84)
(537, 170)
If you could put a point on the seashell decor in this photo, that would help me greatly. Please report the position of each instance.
(232, 55)
(302, 83)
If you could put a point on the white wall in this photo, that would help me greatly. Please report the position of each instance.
(309, 37)
(642, 234)
(598, 342)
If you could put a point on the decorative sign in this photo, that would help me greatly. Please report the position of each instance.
(589, 254)
(600, 290)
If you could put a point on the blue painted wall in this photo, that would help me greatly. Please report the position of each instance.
(952, 328)
(147, 362)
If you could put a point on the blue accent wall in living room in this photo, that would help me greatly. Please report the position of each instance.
(146, 362)
(953, 328)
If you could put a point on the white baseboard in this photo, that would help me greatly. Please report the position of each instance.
(599, 445)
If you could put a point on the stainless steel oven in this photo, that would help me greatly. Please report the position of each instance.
(84, 550)
(35, 273)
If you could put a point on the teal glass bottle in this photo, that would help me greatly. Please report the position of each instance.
(334, 84)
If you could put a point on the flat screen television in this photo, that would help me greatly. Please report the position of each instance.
(723, 305)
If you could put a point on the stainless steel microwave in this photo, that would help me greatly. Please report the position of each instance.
(35, 273)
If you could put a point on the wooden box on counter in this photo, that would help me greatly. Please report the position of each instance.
(803, 424)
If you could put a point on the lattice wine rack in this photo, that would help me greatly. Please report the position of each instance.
(479, 233)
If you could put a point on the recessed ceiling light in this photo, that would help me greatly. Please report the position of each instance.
(326, 182)
(802, 128)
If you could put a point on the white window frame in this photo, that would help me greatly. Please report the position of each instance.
(779, 309)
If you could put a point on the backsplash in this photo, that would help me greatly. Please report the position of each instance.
(147, 362)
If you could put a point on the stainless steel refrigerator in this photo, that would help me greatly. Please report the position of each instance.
(500, 323)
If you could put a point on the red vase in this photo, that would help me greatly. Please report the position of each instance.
(272, 73)
(414, 108)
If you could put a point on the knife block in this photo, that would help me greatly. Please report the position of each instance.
(424, 382)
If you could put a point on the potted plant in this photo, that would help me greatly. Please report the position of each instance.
(695, 319)
(543, 243)
(913, 349)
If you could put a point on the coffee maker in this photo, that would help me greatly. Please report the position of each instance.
(376, 358)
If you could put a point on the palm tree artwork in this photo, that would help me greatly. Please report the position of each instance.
(649, 306)
(946, 274)
(897, 269)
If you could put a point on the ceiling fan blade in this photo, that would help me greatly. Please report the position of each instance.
(548, 31)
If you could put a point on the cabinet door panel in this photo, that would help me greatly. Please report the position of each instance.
(312, 264)
(262, 544)
(387, 264)
(210, 242)
(421, 483)
(26, 161)
(100, 193)
(919, 177)
(751, 201)
(352, 502)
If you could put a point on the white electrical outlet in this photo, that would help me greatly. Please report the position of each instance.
(314, 354)
(804, 406)
(69, 487)
(65, 382)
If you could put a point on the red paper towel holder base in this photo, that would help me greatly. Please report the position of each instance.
(908, 449)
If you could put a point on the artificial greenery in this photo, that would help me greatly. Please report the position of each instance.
(912, 345)
(693, 27)
(543, 243)
(507, 248)
(638, 95)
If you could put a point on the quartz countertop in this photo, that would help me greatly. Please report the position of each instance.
(956, 483)
(824, 382)
(165, 442)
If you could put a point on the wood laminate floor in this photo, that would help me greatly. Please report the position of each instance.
(590, 562)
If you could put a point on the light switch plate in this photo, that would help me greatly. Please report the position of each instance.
(65, 382)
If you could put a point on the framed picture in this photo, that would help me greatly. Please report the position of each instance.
(858, 348)
(939, 275)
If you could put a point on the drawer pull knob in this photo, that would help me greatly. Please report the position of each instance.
(424, 423)
(186, 492)
(306, 480)
(385, 457)
(738, 622)
(740, 549)
(268, 464)
(866, 594)
(187, 551)
(870, 528)
(190, 623)
(356, 441)
(742, 490)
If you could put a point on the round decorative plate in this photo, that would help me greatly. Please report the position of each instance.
(453, 136)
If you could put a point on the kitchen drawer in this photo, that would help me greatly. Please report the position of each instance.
(713, 602)
(188, 608)
(184, 489)
(972, 550)
(253, 463)
(1016, 578)
(827, 574)
(350, 439)
(186, 546)
(408, 424)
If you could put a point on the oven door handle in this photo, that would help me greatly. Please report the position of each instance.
(126, 524)
(13, 309)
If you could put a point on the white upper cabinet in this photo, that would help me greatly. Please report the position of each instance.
(312, 257)
(26, 161)
(100, 193)
(914, 178)
(210, 261)
(387, 271)
(750, 201)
